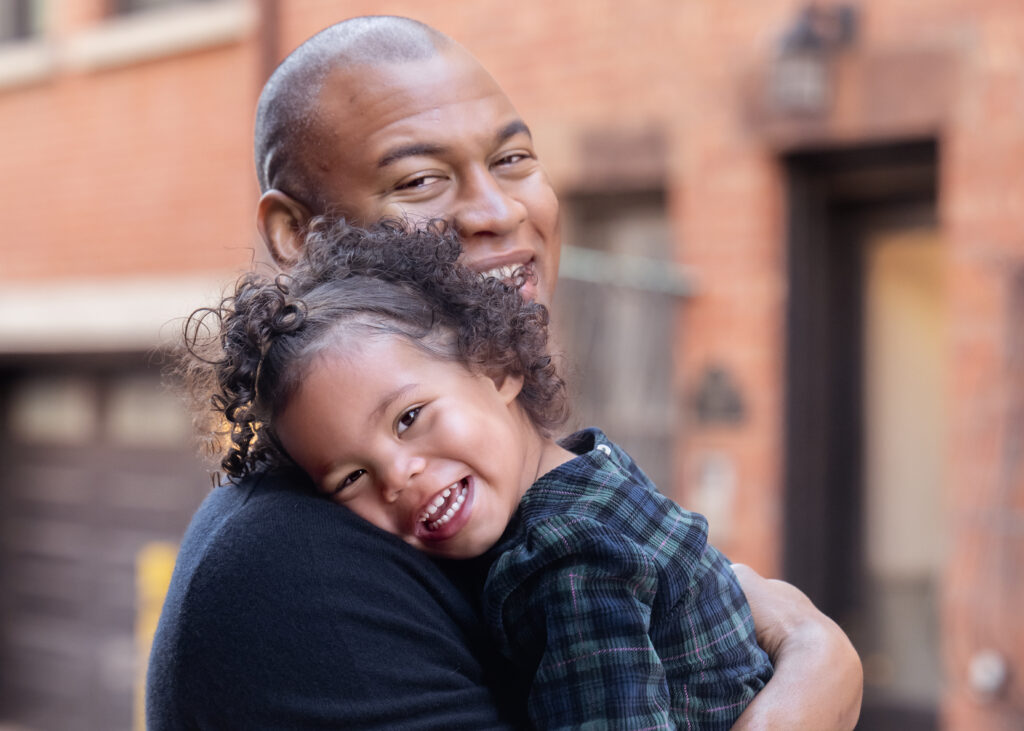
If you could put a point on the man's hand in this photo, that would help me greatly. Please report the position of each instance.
(818, 678)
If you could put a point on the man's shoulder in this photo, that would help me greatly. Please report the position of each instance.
(273, 527)
(283, 602)
(254, 496)
(236, 518)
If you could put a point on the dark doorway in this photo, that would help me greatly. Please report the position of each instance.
(863, 256)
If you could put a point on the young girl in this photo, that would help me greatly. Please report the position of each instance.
(421, 396)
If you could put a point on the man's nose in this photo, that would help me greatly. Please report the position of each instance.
(401, 475)
(485, 207)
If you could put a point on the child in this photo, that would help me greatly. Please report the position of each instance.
(421, 396)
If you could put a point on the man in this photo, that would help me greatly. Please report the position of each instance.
(287, 611)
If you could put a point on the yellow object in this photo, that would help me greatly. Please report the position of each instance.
(154, 564)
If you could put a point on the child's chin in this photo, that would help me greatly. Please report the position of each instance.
(462, 548)
(455, 550)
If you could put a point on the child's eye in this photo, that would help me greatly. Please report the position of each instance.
(406, 420)
(348, 481)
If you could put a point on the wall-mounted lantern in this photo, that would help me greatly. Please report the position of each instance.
(801, 76)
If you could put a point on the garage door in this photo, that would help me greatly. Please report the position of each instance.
(96, 466)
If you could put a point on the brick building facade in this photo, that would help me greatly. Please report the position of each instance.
(838, 189)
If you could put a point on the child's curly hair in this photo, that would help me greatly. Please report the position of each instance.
(246, 357)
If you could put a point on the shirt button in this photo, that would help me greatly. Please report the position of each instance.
(605, 448)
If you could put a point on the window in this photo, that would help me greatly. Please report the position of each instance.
(615, 316)
(17, 20)
(123, 7)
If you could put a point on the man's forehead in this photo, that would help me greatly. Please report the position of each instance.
(446, 77)
(385, 105)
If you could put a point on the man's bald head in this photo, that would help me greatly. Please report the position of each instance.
(285, 134)
(385, 118)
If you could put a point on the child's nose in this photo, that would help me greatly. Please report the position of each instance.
(401, 476)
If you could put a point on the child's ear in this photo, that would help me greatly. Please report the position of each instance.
(281, 220)
(508, 386)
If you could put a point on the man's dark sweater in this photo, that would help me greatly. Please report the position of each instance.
(287, 611)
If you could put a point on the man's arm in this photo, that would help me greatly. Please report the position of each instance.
(818, 678)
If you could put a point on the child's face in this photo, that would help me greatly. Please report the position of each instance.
(419, 446)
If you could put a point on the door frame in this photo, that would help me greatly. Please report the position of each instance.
(836, 198)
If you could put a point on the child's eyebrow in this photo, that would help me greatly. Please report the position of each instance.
(390, 398)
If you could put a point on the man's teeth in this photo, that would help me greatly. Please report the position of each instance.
(454, 496)
(502, 273)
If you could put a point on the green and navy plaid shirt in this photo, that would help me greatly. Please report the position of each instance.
(609, 594)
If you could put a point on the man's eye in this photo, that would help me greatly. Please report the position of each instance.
(513, 158)
(417, 182)
(348, 481)
(406, 420)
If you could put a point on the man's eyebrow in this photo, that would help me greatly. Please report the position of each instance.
(390, 398)
(425, 148)
(512, 129)
(417, 148)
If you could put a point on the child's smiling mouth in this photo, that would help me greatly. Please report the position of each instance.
(445, 505)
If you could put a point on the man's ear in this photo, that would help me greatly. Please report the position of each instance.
(281, 221)
(508, 386)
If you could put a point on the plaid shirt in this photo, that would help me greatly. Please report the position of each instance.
(608, 593)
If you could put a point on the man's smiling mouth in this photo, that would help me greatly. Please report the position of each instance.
(445, 505)
(512, 273)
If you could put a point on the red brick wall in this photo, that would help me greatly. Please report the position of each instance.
(984, 224)
(143, 168)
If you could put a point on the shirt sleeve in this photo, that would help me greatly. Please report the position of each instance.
(581, 625)
(715, 650)
(578, 604)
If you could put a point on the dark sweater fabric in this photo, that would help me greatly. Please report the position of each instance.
(287, 611)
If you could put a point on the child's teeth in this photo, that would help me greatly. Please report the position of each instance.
(427, 516)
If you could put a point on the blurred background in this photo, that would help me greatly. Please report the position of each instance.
(793, 287)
